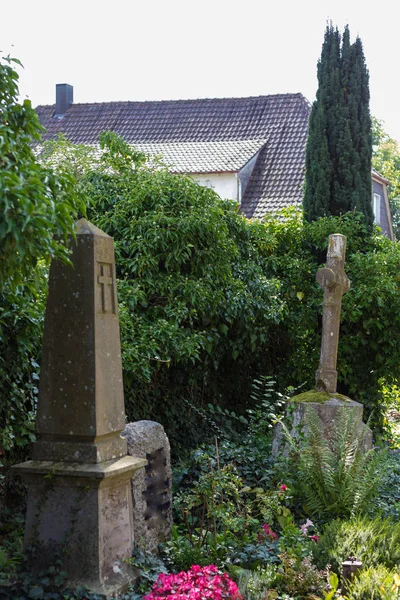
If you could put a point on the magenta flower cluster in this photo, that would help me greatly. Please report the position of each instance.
(199, 583)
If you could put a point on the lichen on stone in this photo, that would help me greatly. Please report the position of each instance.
(318, 396)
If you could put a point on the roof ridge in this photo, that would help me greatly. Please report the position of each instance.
(183, 100)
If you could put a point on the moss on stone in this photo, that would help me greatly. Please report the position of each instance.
(317, 396)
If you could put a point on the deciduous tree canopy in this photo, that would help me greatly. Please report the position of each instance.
(386, 160)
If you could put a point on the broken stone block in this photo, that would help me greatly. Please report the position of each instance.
(151, 487)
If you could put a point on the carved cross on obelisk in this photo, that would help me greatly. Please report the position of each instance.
(335, 283)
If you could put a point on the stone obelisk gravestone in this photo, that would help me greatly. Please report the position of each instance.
(324, 399)
(79, 497)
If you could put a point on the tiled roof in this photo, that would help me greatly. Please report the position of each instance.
(281, 120)
(204, 157)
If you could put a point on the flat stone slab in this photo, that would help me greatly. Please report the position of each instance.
(111, 468)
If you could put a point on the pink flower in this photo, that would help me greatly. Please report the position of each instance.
(199, 583)
(315, 538)
(283, 488)
(268, 532)
(306, 525)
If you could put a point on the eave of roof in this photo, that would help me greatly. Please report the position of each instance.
(378, 177)
(204, 157)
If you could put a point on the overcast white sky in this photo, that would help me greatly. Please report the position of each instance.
(169, 49)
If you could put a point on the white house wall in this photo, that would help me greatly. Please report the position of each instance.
(225, 184)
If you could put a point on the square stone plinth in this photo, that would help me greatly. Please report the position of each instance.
(82, 515)
(328, 414)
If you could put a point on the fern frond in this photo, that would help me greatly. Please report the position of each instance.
(337, 478)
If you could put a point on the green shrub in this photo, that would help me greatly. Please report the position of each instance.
(209, 301)
(179, 554)
(148, 566)
(255, 585)
(300, 578)
(336, 477)
(243, 440)
(196, 304)
(387, 503)
(369, 345)
(38, 208)
(35, 204)
(21, 324)
(375, 583)
(373, 541)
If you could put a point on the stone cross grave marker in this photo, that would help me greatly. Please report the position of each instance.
(79, 497)
(335, 283)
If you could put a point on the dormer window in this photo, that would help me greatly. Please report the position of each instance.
(377, 208)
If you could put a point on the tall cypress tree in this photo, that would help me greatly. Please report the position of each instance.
(339, 146)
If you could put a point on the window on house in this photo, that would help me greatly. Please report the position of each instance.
(377, 208)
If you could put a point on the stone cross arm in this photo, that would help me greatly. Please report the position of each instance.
(329, 279)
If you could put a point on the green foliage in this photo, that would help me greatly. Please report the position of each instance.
(35, 204)
(218, 518)
(257, 584)
(213, 513)
(336, 478)
(21, 321)
(210, 301)
(370, 330)
(11, 541)
(386, 160)
(179, 554)
(339, 146)
(293, 543)
(300, 578)
(148, 567)
(196, 306)
(373, 541)
(387, 504)
(375, 583)
(37, 208)
(244, 441)
(292, 579)
(214, 505)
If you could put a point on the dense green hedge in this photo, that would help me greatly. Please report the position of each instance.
(369, 345)
(210, 300)
(196, 306)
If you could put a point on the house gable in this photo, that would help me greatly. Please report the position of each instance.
(380, 204)
(248, 149)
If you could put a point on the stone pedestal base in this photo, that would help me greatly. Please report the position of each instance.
(81, 514)
(328, 413)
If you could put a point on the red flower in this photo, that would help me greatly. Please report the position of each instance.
(283, 488)
(315, 538)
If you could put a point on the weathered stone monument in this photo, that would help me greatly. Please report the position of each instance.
(335, 283)
(324, 399)
(151, 486)
(79, 481)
